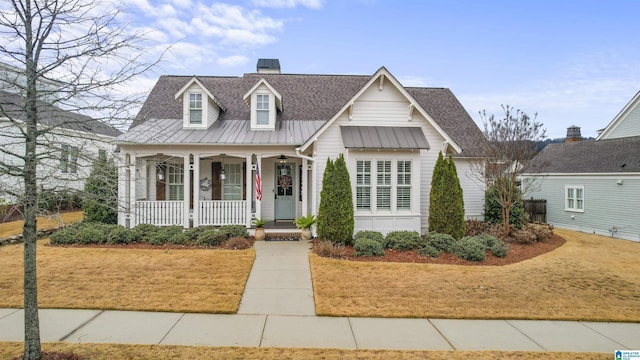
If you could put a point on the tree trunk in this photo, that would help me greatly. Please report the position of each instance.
(506, 210)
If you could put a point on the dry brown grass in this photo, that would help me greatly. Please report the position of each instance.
(45, 222)
(130, 279)
(589, 278)
(112, 351)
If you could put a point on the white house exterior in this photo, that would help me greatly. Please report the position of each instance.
(594, 186)
(66, 150)
(223, 129)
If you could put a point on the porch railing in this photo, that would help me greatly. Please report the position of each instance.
(161, 213)
(217, 212)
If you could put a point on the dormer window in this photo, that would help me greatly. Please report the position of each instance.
(195, 108)
(262, 109)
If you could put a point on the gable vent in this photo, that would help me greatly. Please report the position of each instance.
(268, 66)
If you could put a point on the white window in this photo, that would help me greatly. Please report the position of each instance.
(69, 159)
(383, 189)
(392, 186)
(195, 108)
(404, 185)
(574, 198)
(232, 189)
(262, 109)
(176, 182)
(363, 185)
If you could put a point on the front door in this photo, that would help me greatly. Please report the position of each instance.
(285, 200)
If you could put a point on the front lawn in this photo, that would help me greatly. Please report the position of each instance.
(117, 351)
(210, 281)
(589, 278)
(43, 222)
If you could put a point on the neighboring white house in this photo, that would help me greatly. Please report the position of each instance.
(200, 144)
(65, 152)
(594, 186)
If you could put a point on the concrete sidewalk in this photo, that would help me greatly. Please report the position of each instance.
(277, 310)
(132, 327)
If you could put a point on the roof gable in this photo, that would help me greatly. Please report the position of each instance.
(378, 79)
(247, 96)
(621, 117)
(194, 80)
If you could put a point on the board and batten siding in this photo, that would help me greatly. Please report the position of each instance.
(607, 204)
(629, 126)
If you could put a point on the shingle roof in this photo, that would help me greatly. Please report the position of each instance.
(309, 97)
(49, 115)
(602, 156)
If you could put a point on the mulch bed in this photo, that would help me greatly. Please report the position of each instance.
(517, 253)
(146, 246)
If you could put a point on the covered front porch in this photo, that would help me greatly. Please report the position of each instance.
(224, 188)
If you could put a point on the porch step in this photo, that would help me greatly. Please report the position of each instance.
(282, 236)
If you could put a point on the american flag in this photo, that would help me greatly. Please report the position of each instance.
(258, 183)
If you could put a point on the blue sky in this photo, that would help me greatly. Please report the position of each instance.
(573, 62)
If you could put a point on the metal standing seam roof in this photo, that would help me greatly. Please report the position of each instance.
(170, 131)
(383, 137)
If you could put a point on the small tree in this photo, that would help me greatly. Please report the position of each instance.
(335, 215)
(493, 209)
(512, 144)
(446, 204)
(324, 211)
(101, 192)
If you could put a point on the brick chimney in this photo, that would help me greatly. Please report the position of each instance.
(268, 66)
(573, 134)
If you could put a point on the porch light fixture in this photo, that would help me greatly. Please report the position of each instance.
(282, 158)
(222, 175)
(160, 174)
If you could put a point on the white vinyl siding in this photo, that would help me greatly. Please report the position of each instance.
(574, 196)
(363, 185)
(175, 180)
(262, 109)
(195, 108)
(232, 189)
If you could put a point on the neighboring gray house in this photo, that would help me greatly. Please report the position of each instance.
(594, 186)
(212, 150)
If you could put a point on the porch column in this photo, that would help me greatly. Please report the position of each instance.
(196, 190)
(305, 185)
(132, 189)
(259, 201)
(186, 184)
(124, 212)
(248, 193)
(314, 188)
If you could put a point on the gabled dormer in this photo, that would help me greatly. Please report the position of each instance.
(264, 102)
(200, 108)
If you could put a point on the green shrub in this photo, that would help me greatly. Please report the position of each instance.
(91, 234)
(179, 239)
(493, 209)
(446, 204)
(211, 237)
(335, 213)
(499, 249)
(442, 242)
(470, 248)
(193, 233)
(370, 234)
(367, 247)
(488, 240)
(234, 231)
(142, 232)
(101, 191)
(402, 240)
(428, 250)
(68, 235)
(119, 235)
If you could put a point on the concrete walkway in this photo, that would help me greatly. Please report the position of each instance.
(277, 310)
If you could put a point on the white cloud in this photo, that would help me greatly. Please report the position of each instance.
(234, 60)
(414, 81)
(313, 4)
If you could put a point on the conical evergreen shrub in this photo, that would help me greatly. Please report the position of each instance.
(446, 204)
(335, 214)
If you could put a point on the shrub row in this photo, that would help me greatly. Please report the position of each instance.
(473, 248)
(96, 233)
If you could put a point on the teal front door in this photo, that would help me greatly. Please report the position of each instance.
(285, 199)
